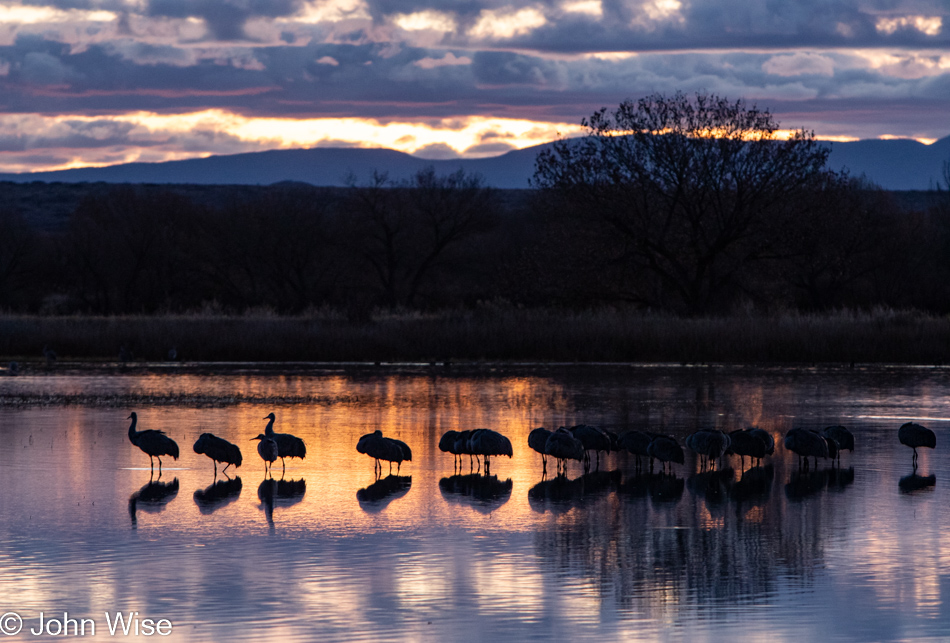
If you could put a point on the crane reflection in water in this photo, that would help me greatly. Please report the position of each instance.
(275, 494)
(483, 493)
(377, 496)
(152, 498)
(217, 495)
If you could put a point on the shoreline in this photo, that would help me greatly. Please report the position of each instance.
(480, 338)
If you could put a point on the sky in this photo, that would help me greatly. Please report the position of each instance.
(99, 82)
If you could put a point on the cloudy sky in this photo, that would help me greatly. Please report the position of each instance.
(92, 82)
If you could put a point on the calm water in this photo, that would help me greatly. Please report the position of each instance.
(329, 553)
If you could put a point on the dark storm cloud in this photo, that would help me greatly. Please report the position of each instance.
(838, 66)
(504, 68)
(633, 25)
(224, 18)
(367, 81)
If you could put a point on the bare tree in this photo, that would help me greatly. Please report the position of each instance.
(691, 182)
(409, 233)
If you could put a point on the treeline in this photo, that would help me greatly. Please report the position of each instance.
(448, 242)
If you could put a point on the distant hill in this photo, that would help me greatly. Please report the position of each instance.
(892, 164)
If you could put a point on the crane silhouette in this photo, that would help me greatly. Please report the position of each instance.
(709, 445)
(916, 436)
(154, 443)
(219, 450)
(843, 438)
(636, 442)
(563, 446)
(447, 445)
(806, 443)
(267, 449)
(381, 448)
(537, 440)
(746, 443)
(486, 443)
(667, 450)
(288, 446)
(593, 439)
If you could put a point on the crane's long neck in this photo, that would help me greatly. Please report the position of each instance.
(269, 429)
(132, 431)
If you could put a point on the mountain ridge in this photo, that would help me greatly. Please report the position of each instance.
(895, 164)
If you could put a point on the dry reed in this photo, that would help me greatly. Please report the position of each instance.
(502, 334)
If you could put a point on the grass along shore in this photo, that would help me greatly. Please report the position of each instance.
(493, 334)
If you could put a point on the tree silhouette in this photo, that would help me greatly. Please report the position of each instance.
(691, 183)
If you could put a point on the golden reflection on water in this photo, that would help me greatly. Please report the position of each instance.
(637, 556)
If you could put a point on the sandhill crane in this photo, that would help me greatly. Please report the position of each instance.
(563, 446)
(593, 439)
(537, 440)
(916, 436)
(288, 446)
(636, 442)
(488, 443)
(405, 453)
(462, 447)
(381, 448)
(709, 444)
(842, 437)
(831, 444)
(765, 436)
(447, 445)
(154, 443)
(667, 450)
(746, 443)
(804, 444)
(219, 450)
(267, 449)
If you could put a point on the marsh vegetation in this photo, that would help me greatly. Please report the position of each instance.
(663, 243)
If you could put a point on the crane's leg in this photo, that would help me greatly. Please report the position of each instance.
(159, 458)
(398, 466)
(215, 463)
(283, 464)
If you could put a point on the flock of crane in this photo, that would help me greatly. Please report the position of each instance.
(564, 444)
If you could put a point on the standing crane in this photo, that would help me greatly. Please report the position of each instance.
(154, 443)
(267, 449)
(219, 450)
(288, 446)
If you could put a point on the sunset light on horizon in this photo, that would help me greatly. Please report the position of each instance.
(99, 82)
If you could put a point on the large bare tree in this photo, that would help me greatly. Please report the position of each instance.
(691, 182)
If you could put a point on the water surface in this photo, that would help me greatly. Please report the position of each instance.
(325, 551)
